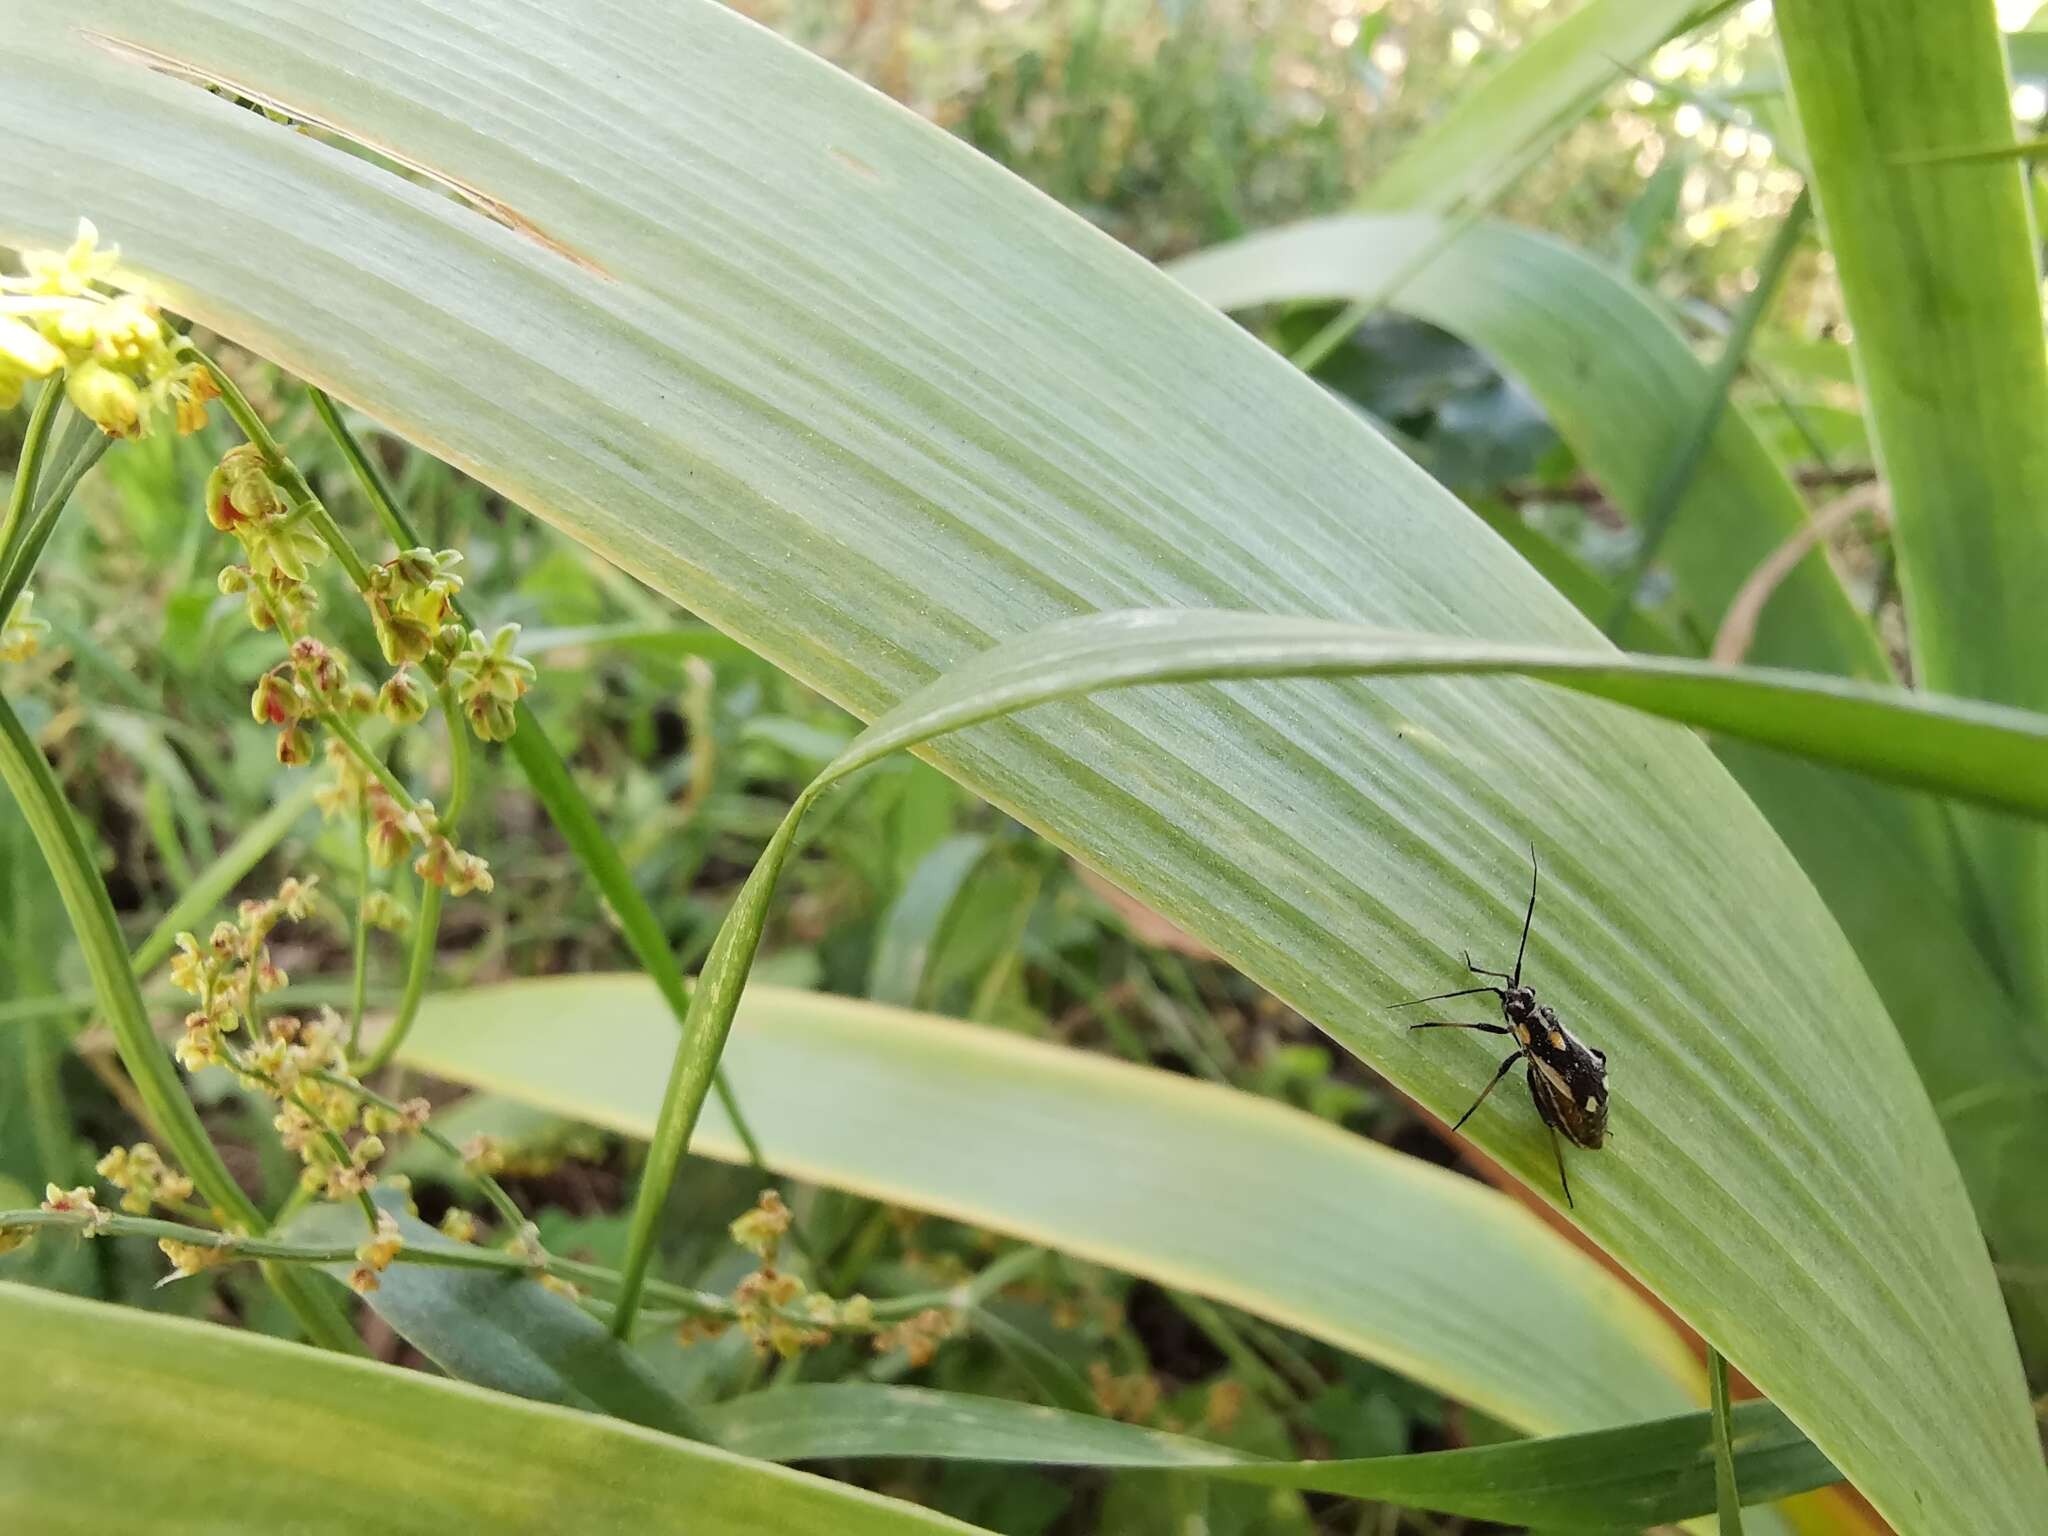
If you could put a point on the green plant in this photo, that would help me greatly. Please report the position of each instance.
(888, 422)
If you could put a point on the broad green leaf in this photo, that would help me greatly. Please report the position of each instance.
(869, 404)
(268, 1437)
(503, 1331)
(1939, 271)
(1607, 1480)
(1619, 382)
(1959, 747)
(1197, 1187)
(1525, 104)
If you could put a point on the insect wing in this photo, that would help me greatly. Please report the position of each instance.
(1582, 1118)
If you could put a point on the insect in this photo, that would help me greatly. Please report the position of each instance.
(1567, 1079)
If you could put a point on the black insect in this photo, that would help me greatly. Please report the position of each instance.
(1568, 1080)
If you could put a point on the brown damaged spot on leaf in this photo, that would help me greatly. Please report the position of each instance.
(853, 163)
(490, 207)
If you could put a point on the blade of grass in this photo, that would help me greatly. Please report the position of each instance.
(916, 920)
(1980, 752)
(77, 448)
(1335, 1236)
(1606, 1480)
(1828, 718)
(1938, 267)
(1727, 1497)
(28, 468)
(1495, 132)
(1696, 433)
(448, 1457)
(553, 785)
(1526, 103)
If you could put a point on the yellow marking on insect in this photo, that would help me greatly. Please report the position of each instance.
(1592, 1103)
(1556, 1041)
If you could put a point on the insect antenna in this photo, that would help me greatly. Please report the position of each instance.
(1439, 997)
(1480, 970)
(1527, 917)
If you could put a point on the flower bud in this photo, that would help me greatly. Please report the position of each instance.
(24, 350)
(402, 700)
(383, 910)
(294, 747)
(276, 701)
(108, 399)
(125, 330)
(250, 491)
(492, 719)
(402, 638)
(413, 567)
(389, 840)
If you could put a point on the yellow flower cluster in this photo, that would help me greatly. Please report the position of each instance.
(190, 1258)
(302, 1065)
(776, 1310)
(118, 364)
(143, 1178)
(375, 1255)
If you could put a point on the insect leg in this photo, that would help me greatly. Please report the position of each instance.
(1491, 1029)
(1503, 1072)
(1557, 1152)
(1527, 918)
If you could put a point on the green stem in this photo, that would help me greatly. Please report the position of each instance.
(459, 770)
(427, 924)
(304, 502)
(85, 899)
(29, 471)
(444, 1255)
(566, 804)
(318, 989)
(1727, 1497)
(360, 750)
(360, 976)
(1661, 510)
(507, 1209)
(336, 1147)
(705, 1026)
(86, 444)
(419, 970)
